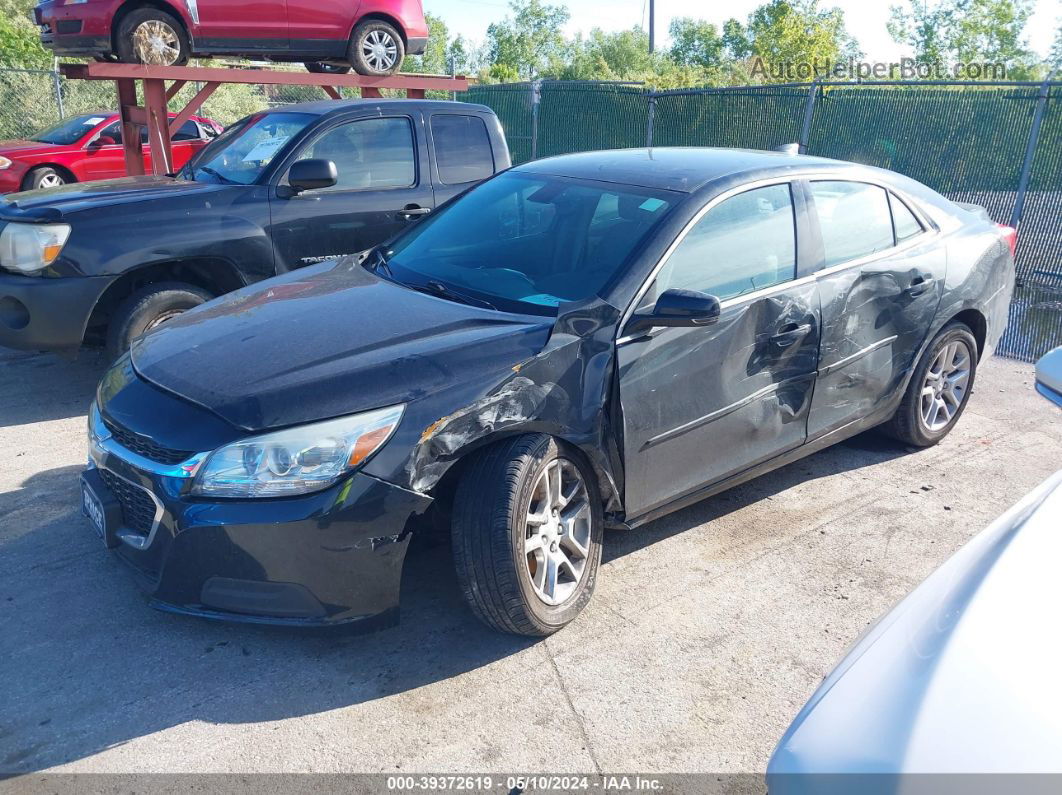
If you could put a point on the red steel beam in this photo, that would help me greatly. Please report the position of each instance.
(113, 71)
(132, 117)
(194, 104)
(155, 114)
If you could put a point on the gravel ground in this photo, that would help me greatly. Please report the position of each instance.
(708, 631)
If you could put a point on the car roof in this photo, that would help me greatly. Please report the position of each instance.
(324, 107)
(684, 169)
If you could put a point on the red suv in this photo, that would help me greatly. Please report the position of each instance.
(327, 35)
(87, 147)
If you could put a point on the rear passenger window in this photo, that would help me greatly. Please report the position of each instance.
(189, 131)
(743, 244)
(903, 220)
(462, 148)
(854, 218)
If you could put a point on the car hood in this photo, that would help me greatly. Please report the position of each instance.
(54, 204)
(21, 147)
(325, 341)
(960, 677)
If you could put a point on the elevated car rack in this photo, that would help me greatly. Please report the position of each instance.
(154, 114)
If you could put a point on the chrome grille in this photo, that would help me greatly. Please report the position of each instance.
(143, 446)
(138, 509)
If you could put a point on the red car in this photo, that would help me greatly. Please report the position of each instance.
(87, 147)
(327, 35)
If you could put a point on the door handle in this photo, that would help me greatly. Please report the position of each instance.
(412, 211)
(790, 333)
(919, 285)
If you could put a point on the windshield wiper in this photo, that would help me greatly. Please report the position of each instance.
(379, 264)
(433, 287)
(213, 173)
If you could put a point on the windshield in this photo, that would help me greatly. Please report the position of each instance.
(69, 131)
(240, 154)
(526, 243)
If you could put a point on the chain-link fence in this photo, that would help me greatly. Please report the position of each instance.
(994, 144)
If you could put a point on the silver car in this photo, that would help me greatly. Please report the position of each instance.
(960, 679)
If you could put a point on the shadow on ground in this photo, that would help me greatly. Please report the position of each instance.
(89, 666)
(35, 387)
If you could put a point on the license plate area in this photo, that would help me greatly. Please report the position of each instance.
(100, 507)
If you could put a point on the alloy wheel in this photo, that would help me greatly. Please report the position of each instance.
(379, 50)
(156, 43)
(557, 532)
(945, 385)
(51, 181)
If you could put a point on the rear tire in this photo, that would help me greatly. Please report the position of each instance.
(376, 49)
(153, 37)
(939, 389)
(527, 552)
(45, 177)
(147, 308)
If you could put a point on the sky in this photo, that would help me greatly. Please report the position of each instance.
(865, 19)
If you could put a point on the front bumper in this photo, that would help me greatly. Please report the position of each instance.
(40, 313)
(329, 558)
(82, 29)
(12, 176)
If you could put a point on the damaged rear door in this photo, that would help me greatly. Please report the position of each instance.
(703, 403)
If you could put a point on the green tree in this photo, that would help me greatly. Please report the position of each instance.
(1054, 59)
(788, 33)
(736, 40)
(529, 41)
(20, 45)
(695, 42)
(434, 61)
(951, 32)
(609, 56)
(460, 56)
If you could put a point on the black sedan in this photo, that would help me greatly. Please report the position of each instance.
(582, 342)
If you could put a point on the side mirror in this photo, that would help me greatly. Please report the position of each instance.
(104, 140)
(682, 308)
(312, 174)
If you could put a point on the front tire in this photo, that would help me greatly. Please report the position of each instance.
(939, 389)
(527, 528)
(147, 308)
(44, 177)
(376, 49)
(152, 37)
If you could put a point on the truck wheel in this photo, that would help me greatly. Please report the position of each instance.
(150, 36)
(322, 68)
(44, 177)
(376, 49)
(148, 308)
(939, 389)
(527, 526)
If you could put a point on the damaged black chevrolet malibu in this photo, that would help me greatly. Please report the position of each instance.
(581, 342)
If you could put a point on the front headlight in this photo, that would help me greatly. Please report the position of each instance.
(4, 163)
(31, 247)
(297, 460)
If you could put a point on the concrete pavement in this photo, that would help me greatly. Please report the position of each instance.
(708, 631)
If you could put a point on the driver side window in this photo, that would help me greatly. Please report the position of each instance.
(743, 244)
(370, 154)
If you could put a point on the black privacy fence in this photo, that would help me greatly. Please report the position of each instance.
(994, 144)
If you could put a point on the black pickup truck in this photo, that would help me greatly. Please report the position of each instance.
(102, 262)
